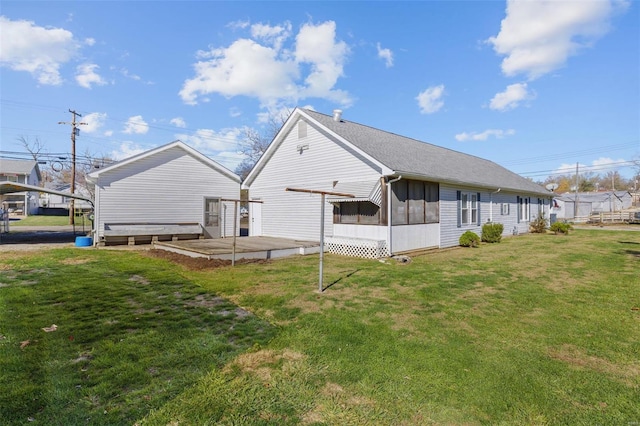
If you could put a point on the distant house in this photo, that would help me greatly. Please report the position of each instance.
(165, 192)
(57, 201)
(588, 203)
(407, 194)
(25, 172)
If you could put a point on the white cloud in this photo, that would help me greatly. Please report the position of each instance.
(273, 35)
(38, 50)
(125, 72)
(483, 136)
(430, 100)
(86, 76)
(239, 25)
(270, 72)
(607, 163)
(89, 41)
(277, 114)
(235, 112)
(600, 165)
(385, 54)
(209, 141)
(537, 37)
(568, 169)
(136, 124)
(511, 97)
(317, 45)
(178, 122)
(127, 149)
(244, 68)
(94, 121)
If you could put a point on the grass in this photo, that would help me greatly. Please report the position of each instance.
(39, 220)
(131, 335)
(539, 329)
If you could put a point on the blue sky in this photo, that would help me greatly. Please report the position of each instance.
(534, 86)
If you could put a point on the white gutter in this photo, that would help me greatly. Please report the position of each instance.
(389, 225)
(491, 204)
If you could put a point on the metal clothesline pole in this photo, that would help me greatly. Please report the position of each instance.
(322, 199)
(235, 224)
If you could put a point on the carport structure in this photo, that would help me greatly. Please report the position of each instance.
(14, 187)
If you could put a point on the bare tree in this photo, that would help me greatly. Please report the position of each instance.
(32, 147)
(255, 142)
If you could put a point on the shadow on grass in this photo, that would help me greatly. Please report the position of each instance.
(339, 279)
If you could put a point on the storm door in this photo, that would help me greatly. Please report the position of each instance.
(212, 217)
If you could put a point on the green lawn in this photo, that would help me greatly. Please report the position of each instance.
(539, 329)
(39, 220)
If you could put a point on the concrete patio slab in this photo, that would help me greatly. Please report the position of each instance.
(246, 247)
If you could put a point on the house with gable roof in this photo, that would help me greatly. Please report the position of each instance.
(396, 194)
(170, 192)
(22, 172)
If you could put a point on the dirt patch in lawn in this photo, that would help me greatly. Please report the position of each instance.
(575, 357)
(198, 263)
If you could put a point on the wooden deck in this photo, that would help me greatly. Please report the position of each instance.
(246, 247)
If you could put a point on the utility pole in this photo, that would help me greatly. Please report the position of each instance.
(75, 131)
(575, 206)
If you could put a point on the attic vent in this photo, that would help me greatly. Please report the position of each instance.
(302, 129)
(337, 115)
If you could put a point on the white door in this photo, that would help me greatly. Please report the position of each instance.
(212, 217)
(255, 225)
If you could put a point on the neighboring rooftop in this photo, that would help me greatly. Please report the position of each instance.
(18, 167)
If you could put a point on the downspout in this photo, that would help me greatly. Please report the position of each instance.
(491, 204)
(389, 225)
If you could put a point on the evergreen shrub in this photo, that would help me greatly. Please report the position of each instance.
(561, 228)
(492, 232)
(469, 239)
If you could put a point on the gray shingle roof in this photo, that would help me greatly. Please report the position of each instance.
(411, 156)
(20, 167)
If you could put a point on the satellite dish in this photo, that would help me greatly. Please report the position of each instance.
(552, 186)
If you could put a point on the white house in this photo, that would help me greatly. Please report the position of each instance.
(164, 193)
(21, 172)
(57, 201)
(408, 195)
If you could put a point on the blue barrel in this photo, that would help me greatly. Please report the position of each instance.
(84, 241)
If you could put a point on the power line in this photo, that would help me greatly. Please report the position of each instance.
(556, 172)
(571, 154)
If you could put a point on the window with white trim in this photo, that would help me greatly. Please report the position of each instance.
(469, 208)
(523, 209)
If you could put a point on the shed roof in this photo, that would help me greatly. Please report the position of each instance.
(411, 157)
(175, 144)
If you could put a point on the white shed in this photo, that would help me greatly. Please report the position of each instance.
(169, 192)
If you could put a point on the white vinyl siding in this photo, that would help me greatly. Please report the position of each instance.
(502, 207)
(167, 187)
(323, 161)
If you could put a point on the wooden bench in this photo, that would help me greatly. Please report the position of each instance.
(145, 233)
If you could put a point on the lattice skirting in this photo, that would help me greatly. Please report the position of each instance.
(369, 249)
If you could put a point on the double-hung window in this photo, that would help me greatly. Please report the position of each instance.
(468, 208)
(523, 209)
